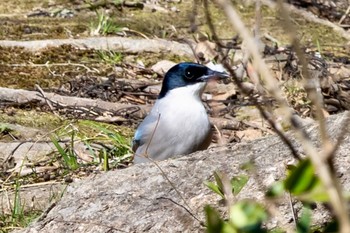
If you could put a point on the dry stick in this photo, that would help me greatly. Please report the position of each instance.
(344, 16)
(270, 204)
(124, 44)
(292, 209)
(227, 189)
(309, 82)
(254, 77)
(47, 65)
(256, 34)
(154, 131)
(258, 62)
(189, 43)
(40, 184)
(257, 19)
(46, 100)
(264, 113)
(323, 168)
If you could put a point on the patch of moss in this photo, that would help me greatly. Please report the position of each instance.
(32, 119)
(23, 69)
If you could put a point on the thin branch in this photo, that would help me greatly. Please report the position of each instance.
(47, 100)
(47, 64)
(345, 15)
(252, 45)
(153, 132)
(292, 209)
(321, 166)
(323, 160)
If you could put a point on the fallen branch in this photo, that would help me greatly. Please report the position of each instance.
(20, 96)
(127, 45)
(120, 112)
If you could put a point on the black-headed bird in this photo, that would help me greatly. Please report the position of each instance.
(178, 123)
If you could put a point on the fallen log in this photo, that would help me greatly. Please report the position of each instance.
(21, 96)
(127, 45)
(119, 112)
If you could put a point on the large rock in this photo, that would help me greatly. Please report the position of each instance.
(141, 199)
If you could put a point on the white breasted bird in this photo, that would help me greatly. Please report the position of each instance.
(178, 123)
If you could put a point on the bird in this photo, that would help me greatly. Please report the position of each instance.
(178, 123)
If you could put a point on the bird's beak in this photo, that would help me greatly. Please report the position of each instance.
(213, 75)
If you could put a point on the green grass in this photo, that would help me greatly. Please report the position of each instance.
(19, 217)
(104, 25)
(9, 222)
(68, 154)
(106, 145)
(110, 57)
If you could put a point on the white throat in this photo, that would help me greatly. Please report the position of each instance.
(193, 91)
(183, 101)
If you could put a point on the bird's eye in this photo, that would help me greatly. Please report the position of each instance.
(189, 74)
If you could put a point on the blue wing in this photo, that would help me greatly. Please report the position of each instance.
(136, 140)
(144, 131)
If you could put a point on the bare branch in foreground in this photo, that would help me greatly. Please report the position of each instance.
(322, 168)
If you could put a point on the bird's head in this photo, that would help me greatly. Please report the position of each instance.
(188, 75)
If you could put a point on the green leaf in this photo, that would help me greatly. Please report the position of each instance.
(214, 222)
(214, 188)
(4, 129)
(218, 187)
(58, 146)
(304, 184)
(120, 141)
(228, 228)
(276, 230)
(304, 222)
(238, 182)
(17, 208)
(247, 216)
(69, 159)
(219, 183)
(317, 194)
(302, 178)
(276, 189)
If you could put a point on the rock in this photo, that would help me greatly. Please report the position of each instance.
(163, 66)
(205, 51)
(141, 199)
(153, 89)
